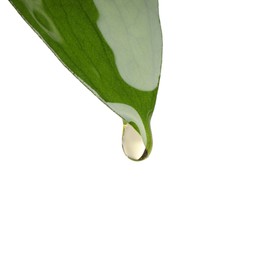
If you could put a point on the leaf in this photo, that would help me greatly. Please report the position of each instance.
(114, 47)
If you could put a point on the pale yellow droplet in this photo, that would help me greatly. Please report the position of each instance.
(133, 144)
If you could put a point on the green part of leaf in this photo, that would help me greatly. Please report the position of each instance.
(114, 47)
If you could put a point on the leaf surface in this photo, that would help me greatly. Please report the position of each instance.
(114, 47)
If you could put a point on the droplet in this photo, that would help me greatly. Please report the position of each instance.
(133, 144)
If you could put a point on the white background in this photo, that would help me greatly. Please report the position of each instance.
(68, 192)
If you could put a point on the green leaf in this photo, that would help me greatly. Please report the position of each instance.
(114, 47)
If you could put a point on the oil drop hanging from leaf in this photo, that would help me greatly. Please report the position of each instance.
(114, 47)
